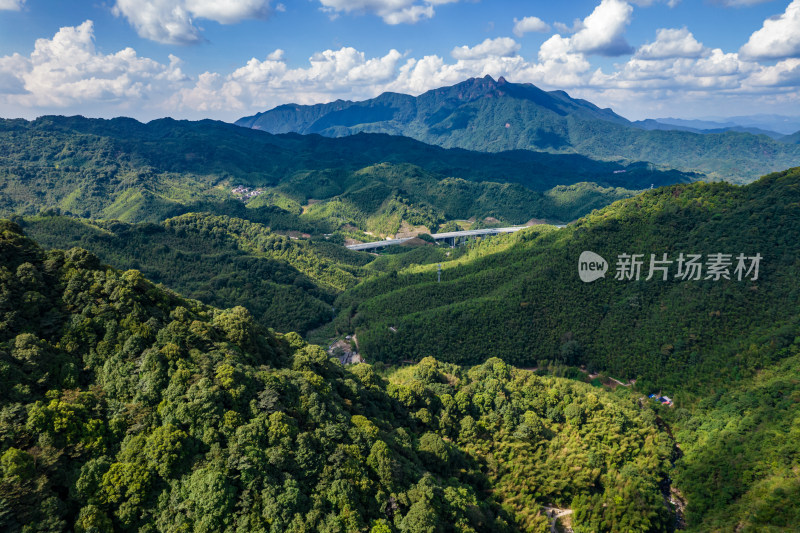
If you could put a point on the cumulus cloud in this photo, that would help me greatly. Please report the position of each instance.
(559, 65)
(529, 24)
(391, 11)
(785, 73)
(10, 68)
(671, 42)
(778, 38)
(67, 70)
(346, 72)
(719, 63)
(717, 71)
(430, 72)
(577, 25)
(602, 31)
(11, 5)
(500, 47)
(67, 73)
(172, 21)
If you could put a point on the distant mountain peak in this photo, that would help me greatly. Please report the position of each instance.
(469, 89)
(437, 114)
(485, 114)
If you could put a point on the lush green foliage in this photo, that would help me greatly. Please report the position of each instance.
(125, 407)
(741, 453)
(122, 169)
(287, 284)
(546, 440)
(483, 114)
(520, 296)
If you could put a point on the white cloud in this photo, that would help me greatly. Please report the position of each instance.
(391, 11)
(11, 5)
(348, 73)
(500, 47)
(67, 70)
(344, 73)
(210, 94)
(430, 72)
(228, 12)
(785, 73)
(559, 66)
(671, 42)
(171, 21)
(602, 31)
(577, 25)
(258, 84)
(409, 15)
(716, 72)
(10, 69)
(719, 63)
(68, 74)
(529, 24)
(778, 38)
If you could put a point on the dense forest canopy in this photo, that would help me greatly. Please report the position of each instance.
(125, 170)
(287, 284)
(520, 297)
(144, 384)
(126, 407)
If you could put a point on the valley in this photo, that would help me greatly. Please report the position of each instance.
(177, 300)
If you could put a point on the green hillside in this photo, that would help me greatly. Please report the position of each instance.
(520, 296)
(794, 138)
(125, 170)
(287, 284)
(487, 115)
(126, 407)
(131, 401)
(740, 450)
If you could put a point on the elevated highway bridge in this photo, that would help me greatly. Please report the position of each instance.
(451, 237)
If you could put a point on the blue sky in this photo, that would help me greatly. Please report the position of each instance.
(217, 59)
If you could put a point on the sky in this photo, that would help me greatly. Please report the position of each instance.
(227, 59)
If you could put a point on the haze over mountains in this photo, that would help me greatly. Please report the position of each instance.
(497, 115)
(704, 127)
(779, 124)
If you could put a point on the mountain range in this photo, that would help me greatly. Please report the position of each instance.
(123, 169)
(498, 115)
(145, 387)
(777, 124)
(708, 128)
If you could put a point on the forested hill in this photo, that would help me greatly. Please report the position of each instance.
(287, 284)
(741, 451)
(125, 407)
(521, 295)
(488, 115)
(123, 169)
